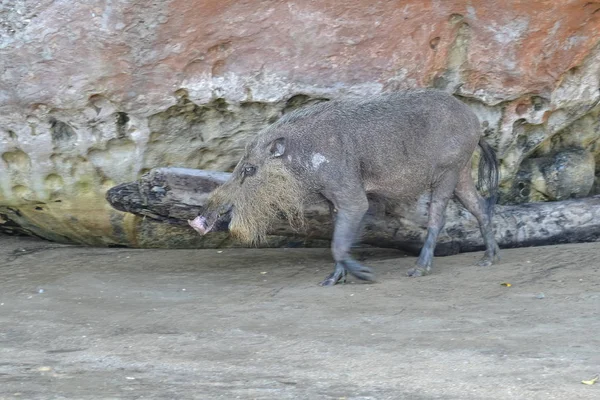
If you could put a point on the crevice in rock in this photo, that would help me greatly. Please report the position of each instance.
(62, 134)
(121, 120)
(300, 100)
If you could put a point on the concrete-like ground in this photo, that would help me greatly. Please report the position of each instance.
(88, 323)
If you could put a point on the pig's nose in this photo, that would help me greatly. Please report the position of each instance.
(199, 224)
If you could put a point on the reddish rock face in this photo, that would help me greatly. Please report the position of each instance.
(504, 51)
(95, 93)
(125, 51)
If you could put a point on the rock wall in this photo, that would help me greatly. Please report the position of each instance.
(96, 93)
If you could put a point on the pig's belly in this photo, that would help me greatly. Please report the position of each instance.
(415, 210)
(407, 191)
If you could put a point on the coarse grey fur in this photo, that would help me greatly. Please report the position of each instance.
(397, 147)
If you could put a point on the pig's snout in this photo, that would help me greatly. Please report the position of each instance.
(200, 225)
(211, 221)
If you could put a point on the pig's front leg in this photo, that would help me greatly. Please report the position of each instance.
(348, 222)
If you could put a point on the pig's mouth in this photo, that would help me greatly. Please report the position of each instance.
(212, 221)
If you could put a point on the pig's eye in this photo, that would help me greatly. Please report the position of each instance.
(249, 171)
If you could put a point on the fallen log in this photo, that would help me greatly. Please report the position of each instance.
(175, 195)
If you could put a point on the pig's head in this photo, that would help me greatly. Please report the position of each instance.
(262, 188)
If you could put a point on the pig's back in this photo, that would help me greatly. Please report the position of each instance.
(401, 140)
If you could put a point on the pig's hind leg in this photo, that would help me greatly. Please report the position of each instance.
(467, 195)
(441, 194)
(348, 222)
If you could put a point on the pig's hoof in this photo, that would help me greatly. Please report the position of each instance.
(358, 270)
(336, 276)
(488, 260)
(418, 271)
(333, 278)
(330, 281)
(484, 262)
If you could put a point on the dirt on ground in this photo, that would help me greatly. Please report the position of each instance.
(90, 323)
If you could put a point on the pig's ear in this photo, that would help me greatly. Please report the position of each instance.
(277, 147)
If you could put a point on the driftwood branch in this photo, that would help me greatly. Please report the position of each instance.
(174, 195)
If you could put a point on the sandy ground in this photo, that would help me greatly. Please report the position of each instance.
(86, 323)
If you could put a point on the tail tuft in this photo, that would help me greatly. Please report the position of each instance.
(489, 175)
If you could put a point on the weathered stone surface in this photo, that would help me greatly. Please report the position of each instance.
(96, 93)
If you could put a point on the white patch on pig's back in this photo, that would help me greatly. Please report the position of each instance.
(317, 160)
